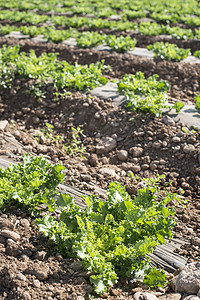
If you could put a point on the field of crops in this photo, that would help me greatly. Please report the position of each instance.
(91, 96)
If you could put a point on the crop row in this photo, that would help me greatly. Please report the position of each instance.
(110, 238)
(146, 28)
(143, 94)
(186, 12)
(88, 39)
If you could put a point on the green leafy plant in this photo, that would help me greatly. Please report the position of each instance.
(145, 94)
(169, 51)
(45, 66)
(112, 238)
(121, 43)
(197, 102)
(74, 146)
(30, 183)
(197, 53)
(178, 106)
(90, 39)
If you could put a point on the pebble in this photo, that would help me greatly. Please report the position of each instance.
(5, 224)
(188, 280)
(58, 125)
(93, 160)
(188, 148)
(144, 296)
(10, 234)
(40, 255)
(176, 139)
(136, 151)
(192, 297)
(36, 120)
(86, 177)
(196, 241)
(3, 125)
(12, 249)
(168, 121)
(172, 296)
(42, 148)
(136, 168)
(76, 266)
(122, 155)
(36, 283)
(25, 223)
(105, 145)
(153, 166)
(157, 145)
(41, 273)
(109, 173)
(20, 276)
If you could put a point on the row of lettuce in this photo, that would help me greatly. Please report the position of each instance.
(89, 39)
(148, 95)
(145, 28)
(111, 238)
(186, 12)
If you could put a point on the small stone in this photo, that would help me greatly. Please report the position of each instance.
(93, 160)
(172, 283)
(136, 168)
(88, 288)
(185, 185)
(3, 125)
(172, 296)
(40, 255)
(145, 167)
(168, 121)
(136, 151)
(36, 120)
(191, 297)
(76, 266)
(25, 223)
(36, 283)
(188, 280)
(86, 178)
(188, 148)
(157, 145)
(42, 149)
(40, 272)
(116, 292)
(108, 173)
(26, 296)
(12, 249)
(122, 155)
(10, 234)
(106, 145)
(176, 139)
(5, 224)
(80, 298)
(57, 125)
(40, 113)
(2, 240)
(196, 241)
(20, 277)
(153, 166)
(17, 134)
(144, 296)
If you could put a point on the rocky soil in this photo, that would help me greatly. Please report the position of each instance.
(116, 143)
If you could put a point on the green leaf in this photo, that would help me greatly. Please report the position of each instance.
(64, 200)
(99, 285)
(178, 106)
(155, 278)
